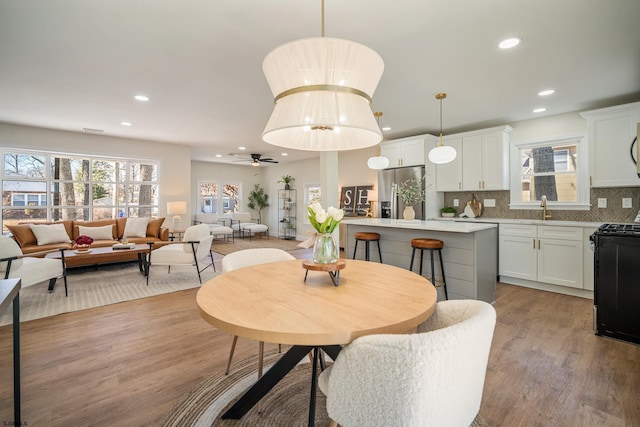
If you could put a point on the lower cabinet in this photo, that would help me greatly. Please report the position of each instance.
(540, 255)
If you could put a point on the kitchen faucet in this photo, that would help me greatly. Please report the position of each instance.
(543, 203)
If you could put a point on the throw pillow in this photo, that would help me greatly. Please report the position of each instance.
(97, 233)
(23, 234)
(136, 227)
(153, 229)
(48, 234)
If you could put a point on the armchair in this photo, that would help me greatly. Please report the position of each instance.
(196, 245)
(213, 221)
(431, 378)
(240, 220)
(31, 269)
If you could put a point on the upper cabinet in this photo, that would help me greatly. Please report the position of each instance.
(404, 152)
(482, 162)
(610, 132)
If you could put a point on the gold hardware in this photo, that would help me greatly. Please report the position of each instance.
(327, 88)
(534, 243)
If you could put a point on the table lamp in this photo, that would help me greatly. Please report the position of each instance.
(372, 197)
(177, 209)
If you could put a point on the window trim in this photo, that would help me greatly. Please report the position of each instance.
(582, 173)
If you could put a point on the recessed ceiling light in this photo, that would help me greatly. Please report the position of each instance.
(125, 123)
(509, 43)
(539, 110)
(386, 128)
(285, 154)
(546, 92)
(141, 98)
(242, 148)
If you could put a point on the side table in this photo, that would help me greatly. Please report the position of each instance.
(10, 292)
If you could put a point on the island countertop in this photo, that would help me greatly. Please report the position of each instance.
(430, 225)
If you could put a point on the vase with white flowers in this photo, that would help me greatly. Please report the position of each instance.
(325, 250)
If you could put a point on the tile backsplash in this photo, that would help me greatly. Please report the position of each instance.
(613, 213)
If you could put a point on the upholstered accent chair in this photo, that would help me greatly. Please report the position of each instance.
(213, 221)
(30, 269)
(194, 248)
(246, 258)
(240, 220)
(434, 377)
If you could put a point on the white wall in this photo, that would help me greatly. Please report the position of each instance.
(174, 161)
(247, 176)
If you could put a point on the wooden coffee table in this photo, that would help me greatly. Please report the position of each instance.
(104, 255)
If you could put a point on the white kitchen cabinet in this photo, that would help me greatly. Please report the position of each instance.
(610, 132)
(449, 175)
(482, 162)
(545, 254)
(404, 152)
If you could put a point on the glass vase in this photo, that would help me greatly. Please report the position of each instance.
(325, 250)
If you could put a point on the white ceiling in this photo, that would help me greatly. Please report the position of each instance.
(74, 64)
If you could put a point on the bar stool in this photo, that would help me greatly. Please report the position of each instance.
(367, 238)
(431, 245)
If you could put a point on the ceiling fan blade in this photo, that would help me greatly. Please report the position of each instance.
(268, 160)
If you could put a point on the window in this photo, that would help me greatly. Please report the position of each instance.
(555, 168)
(312, 194)
(49, 187)
(209, 197)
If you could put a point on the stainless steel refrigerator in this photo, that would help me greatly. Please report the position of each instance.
(391, 205)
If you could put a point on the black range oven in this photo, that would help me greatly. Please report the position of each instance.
(617, 281)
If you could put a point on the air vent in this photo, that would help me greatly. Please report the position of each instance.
(93, 131)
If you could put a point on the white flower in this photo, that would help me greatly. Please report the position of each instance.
(316, 207)
(336, 214)
(321, 216)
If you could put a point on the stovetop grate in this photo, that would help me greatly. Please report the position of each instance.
(619, 229)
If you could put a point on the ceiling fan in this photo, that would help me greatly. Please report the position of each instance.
(256, 159)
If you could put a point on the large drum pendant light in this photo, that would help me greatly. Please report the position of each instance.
(322, 90)
(442, 153)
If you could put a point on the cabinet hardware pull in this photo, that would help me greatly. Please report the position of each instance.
(534, 243)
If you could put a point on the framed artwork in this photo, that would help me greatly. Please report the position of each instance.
(353, 200)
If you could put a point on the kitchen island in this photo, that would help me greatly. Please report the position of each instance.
(470, 251)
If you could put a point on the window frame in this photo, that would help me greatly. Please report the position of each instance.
(50, 181)
(582, 172)
(222, 203)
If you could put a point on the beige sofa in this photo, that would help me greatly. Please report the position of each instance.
(28, 242)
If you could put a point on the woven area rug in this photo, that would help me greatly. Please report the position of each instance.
(109, 284)
(225, 248)
(287, 404)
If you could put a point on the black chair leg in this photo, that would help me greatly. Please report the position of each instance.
(355, 248)
(433, 272)
(366, 250)
(421, 259)
(413, 254)
(379, 252)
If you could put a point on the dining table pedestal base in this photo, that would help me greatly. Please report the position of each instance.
(281, 368)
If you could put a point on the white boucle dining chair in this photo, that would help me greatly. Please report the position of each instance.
(434, 377)
(246, 258)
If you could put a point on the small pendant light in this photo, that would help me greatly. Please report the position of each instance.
(378, 162)
(442, 153)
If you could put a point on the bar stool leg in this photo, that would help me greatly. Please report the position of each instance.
(444, 282)
(433, 273)
(413, 254)
(421, 259)
(355, 248)
(379, 252)
(366, 250)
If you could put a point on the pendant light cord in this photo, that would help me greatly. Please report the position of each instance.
(322, 18)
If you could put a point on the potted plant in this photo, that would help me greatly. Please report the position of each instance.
(411, 193)
(258, 200)
(448, 211)
(287, 180)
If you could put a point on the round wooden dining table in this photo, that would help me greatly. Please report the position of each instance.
(273, 302)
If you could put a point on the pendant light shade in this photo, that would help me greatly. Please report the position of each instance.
(378, 162)
(442, 153)
(322, 90)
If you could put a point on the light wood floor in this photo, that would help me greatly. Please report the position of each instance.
(126, 364)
